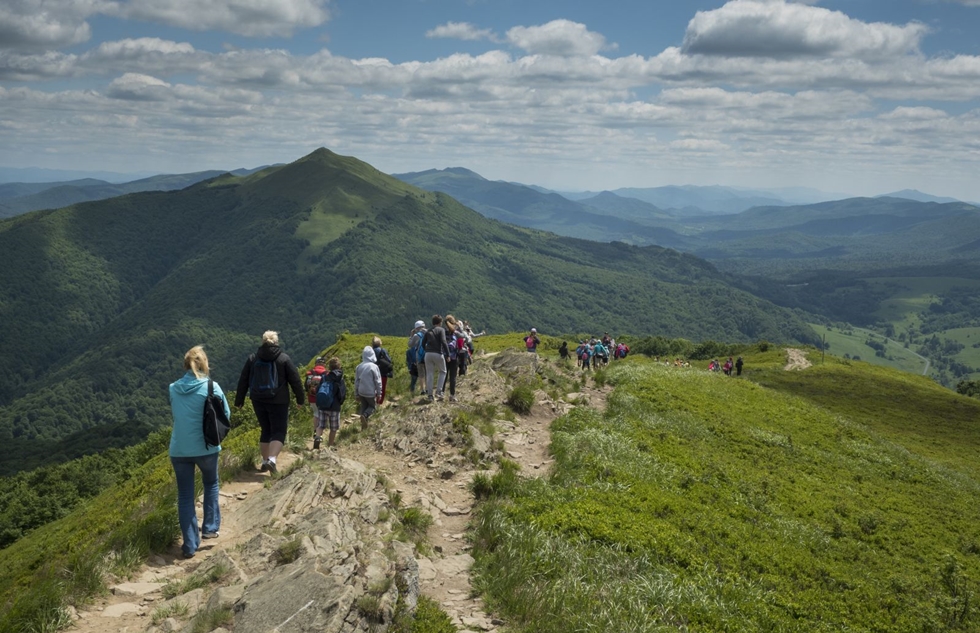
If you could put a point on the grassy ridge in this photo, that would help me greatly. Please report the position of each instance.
(703, 502)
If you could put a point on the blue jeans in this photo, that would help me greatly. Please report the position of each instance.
(184, 470)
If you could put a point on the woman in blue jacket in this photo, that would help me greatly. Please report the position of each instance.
(188, 450)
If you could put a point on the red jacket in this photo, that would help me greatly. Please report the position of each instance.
(319, 370)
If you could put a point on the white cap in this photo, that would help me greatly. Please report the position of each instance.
(419, 324)
(534, 331)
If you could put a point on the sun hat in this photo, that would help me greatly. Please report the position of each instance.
(419, 324)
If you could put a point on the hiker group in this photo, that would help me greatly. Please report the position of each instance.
(443, 351)
(728, 367)
(594, 353)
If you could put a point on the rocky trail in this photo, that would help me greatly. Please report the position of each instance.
(316, 548)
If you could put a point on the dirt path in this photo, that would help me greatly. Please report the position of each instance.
(445, 575)
(796, 360)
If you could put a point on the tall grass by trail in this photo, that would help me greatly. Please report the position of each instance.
(67, 561)
(706, 503)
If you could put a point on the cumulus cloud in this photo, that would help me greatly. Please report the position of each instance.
(260, 18)
(562, 38)
(138, 87)
(460, 31)
(777, 29)
(40, 24)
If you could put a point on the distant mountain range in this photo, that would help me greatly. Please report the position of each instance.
(21, 197)
(102, 299)
(904, 227)
(912, 194)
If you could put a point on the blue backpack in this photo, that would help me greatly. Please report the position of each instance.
(331, 393)
(420, 350)
(325, 395)
(264, 381)
(452, 348)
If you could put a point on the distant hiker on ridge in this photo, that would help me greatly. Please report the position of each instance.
(531, 341)
(738, 366)
(189, 450)
(267, 376)
(367, 385)
(387, 368)
(563, 350)
(415, 369)
(436, 350)
(452, 358)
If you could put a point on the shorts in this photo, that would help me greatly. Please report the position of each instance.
(327, 419)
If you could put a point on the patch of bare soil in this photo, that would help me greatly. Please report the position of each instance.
(796, 360)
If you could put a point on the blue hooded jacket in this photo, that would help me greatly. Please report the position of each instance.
(187, 397)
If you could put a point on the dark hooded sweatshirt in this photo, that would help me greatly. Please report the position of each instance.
(284, 368)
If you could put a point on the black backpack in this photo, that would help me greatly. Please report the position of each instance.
(216, 424)
(264, 381)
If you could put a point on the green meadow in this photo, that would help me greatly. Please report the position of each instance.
(840, 498)
(853, 343)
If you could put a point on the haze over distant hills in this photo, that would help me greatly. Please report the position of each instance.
(21, 197)
(914, 194)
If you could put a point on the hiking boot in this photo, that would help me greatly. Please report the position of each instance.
(272, 467)
(453, 399)
(316, 443)
(264, 467)
(209, 535)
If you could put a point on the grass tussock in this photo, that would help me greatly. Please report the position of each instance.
(214, 574)
(288, 552)
(521, 398)
(413, 525)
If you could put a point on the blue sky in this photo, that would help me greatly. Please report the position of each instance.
(856, 96)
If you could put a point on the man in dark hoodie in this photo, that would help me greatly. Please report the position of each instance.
(268, 376)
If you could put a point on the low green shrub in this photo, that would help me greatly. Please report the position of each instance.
(430, 618)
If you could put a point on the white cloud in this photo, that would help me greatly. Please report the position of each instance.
(261, 18)
(138, 87)
(563, 38)
(40, 24)
(777, 29)
(460, 31)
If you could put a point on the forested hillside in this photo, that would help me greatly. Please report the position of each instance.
(100, 300)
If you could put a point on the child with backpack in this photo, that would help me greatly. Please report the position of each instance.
(312, 383)
(330, 398)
